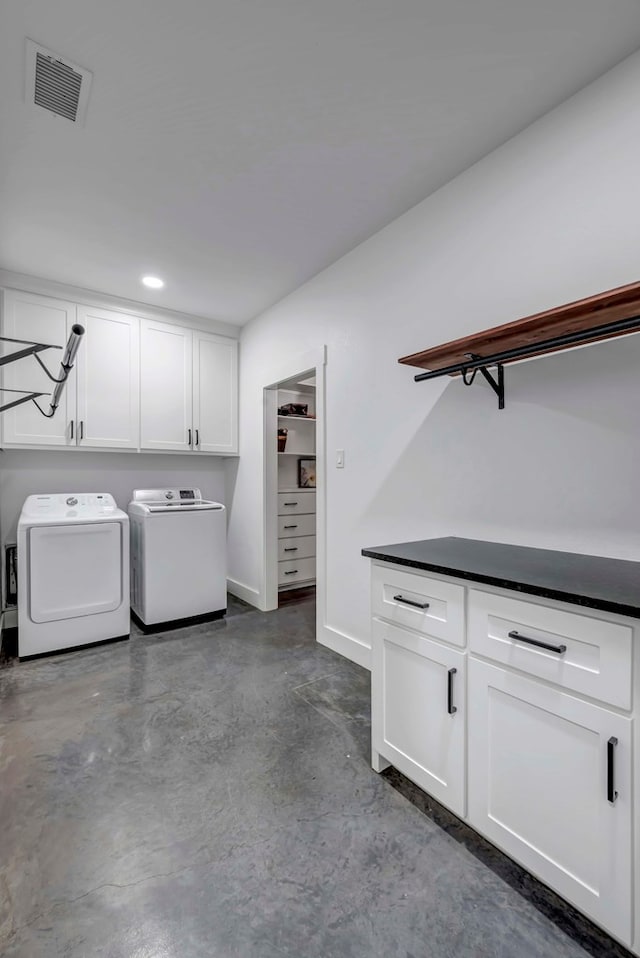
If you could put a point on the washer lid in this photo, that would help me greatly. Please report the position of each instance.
(147, 501)
(70, 507)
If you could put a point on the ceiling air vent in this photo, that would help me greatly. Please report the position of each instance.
(56, 84)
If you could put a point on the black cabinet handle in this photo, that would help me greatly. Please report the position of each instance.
(189, 439)
(71, 428)
(416, 605)
(611, 776)
(197, 437)
(291, 503)
(292, 527)
(291, 572)
(291, 549)
(559, 649)
(451, 709)
(82, 428)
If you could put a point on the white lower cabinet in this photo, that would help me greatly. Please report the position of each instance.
(539, 755)
(418, 719)
(550, 784)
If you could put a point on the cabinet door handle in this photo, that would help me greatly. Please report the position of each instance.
(71, 429)
(416, 605)
(559, 649)
(292, 527)
(291, 549)
(82, 429)
(189, 439)
(197, 437)
(291, 572)
(451, 708)
(611, 774)
(291, 503)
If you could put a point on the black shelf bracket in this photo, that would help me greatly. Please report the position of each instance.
(33, 349)
(496, 384)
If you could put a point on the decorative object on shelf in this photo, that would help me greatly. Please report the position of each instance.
(282, 439)
(307, 473)
(32, 349)
(596, 318)
(293, 409)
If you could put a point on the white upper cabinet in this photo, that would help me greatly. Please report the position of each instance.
(215, 389)
(136, 383)
(166, 387)
(39, 319)
(108, 370)
(189, 390)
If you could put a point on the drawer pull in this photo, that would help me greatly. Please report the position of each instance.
(291, 572)
(292, 527)
(291, 503)
(451, 708)
(559, 649)
(416, 605)
(611, 790)
(291, 549)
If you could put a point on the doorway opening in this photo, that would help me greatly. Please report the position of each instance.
(293, 481)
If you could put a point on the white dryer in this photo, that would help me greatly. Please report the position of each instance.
(73, 572)
(178, 557)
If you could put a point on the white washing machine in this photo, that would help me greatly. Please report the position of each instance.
(178, 557)
(73, 572)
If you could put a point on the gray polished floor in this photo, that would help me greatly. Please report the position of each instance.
(206, 793)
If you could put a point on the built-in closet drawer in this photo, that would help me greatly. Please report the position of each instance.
(589, 655)
(296, 503)
(296, 570)
(304, 547)
(289, 526)
(430, 606)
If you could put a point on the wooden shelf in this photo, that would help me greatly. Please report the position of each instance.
(582, 322)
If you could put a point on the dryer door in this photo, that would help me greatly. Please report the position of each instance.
(74, 570)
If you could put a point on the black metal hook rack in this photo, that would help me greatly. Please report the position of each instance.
(33, 349)
(598, 318)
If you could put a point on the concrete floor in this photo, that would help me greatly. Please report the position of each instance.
(206, 793)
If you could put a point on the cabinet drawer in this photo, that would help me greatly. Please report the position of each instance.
(289, 526)
(438, 608)
(588, 655)
(301, 548)
(296, 570)
(295, 503)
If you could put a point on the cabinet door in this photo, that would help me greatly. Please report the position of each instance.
(539, 765)
(108, 380)
(38, 319)
(165, 387)
(418, 710)
(215, 393)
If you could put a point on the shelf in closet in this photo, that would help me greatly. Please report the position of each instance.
(302, 455)
(298, 418)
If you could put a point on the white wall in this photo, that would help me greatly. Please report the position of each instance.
(28, 472)
(552, 216)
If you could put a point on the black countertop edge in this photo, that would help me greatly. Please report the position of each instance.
(573, 598)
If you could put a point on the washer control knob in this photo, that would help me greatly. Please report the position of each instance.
(72, 501)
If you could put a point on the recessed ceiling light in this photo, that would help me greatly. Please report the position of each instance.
(153, 282)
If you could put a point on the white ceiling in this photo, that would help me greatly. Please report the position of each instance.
(237, 147)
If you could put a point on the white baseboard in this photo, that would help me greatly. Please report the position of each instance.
(345, 645)
(245, 592)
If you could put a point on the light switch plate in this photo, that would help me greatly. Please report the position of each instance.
(339, 458)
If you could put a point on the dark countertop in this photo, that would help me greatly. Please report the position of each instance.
(612, 585)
